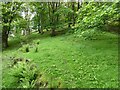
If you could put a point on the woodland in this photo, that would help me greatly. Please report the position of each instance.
(59, 44)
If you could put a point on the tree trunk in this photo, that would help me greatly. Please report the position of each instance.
(41, 25)
(39, 29)
(49, 14)
(5, 37)
(78, 6)
(57, 18)
(69, 18)
(39, 15)
(53, 32)
(73, 15)
(53, 19)
(28, 22)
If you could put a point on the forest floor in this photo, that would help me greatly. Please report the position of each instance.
(76, 62)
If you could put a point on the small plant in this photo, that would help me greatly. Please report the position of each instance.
(25, 48)
(36, 41)
(41, 82)
(25, 74)
(36, 49)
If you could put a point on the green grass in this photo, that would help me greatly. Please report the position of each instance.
(75, 62)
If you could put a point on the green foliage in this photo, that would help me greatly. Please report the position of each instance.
(79, 63)
(63, 10)
(97, 15)
(25, 74)
(36, 49)
(89, 34)
(20, 23)
(25, 48)
(40, 19)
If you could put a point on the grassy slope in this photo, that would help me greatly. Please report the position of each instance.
(76, 62)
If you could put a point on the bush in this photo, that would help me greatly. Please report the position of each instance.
(90, 34)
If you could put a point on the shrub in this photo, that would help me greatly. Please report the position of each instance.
(90, 34)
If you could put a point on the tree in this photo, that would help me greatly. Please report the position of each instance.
(41, 18)
(9, 12)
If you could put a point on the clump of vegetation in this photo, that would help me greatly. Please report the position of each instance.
(90, 34)
(17, 60)
(38, 42)
(43, 82)
(25, 74)
(25, 48)
(36, 49)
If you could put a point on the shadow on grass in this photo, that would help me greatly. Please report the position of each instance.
(15, 43)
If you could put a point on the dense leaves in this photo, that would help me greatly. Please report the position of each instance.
(97, 15)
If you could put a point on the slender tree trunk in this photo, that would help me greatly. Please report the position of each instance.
(39, 28)
(69, 18)
(78, 5)
(57, 17)
(41, 25)
(73, 15)
(49, 15)
(5, 37)
(53, 19)
(5, 32)
(28, 22)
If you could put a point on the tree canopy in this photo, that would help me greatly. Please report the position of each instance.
(52, 16)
